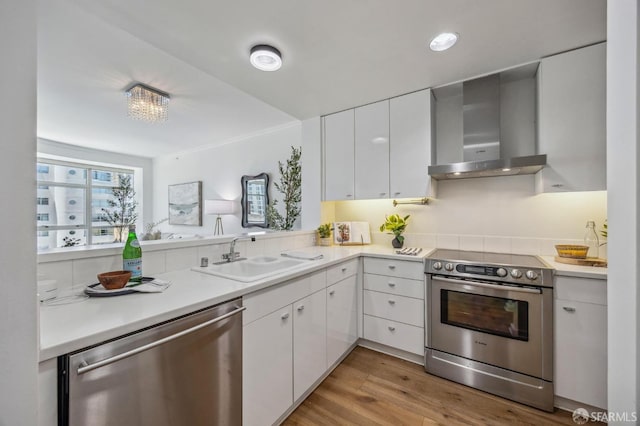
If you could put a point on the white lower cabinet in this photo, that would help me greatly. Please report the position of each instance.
(267, 357)
(309, 341)
(580, 341)
(342, 318)
(293, 332)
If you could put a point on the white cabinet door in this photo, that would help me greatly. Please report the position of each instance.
(267, 357)
(339, 156)
(581, 352)
(410, 145)
(309, 341)
(342, 318)
(372, 151)
(572, 127)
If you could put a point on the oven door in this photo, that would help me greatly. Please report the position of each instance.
(500, 325)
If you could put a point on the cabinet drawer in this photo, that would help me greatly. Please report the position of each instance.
(393, 285)
(397, 335)
(395, 268)
(393, 307)
(265, 301)
(342, 271)
(588, 290)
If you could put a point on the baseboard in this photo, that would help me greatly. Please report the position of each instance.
(398, 353)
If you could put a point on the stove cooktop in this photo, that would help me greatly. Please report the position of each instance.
(515, 260)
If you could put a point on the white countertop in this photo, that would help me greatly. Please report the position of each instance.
(67, 328)
(70, 327)
(564, 269)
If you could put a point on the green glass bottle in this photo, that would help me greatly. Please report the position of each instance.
(132, 256)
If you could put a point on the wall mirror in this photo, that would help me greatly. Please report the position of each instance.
(255, 199)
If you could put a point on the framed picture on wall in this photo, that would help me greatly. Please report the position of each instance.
(185, 204)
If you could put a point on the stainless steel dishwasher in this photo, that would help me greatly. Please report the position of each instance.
(187, 371)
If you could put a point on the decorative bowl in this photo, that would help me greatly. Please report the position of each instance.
(114, 280)
(572, 250)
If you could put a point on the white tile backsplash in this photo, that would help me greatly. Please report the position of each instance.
(254, 248)
(471, 242)
(62, 272)
(212, 252)
(85, 271)
(182, 258)
(450, 242)
(153, 263)
(525, 246)
(497, 244)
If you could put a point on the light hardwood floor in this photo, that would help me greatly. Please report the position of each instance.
(370, 388)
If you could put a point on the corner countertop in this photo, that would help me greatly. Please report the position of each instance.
(70, 327)
(564, 269)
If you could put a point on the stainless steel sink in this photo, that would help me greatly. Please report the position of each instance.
(253, 268)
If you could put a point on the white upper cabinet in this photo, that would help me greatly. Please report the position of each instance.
(571, 111)
(339, 156)
(372, 151)
(410, 150)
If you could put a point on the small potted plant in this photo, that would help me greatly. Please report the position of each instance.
(324, 232)
(395, 224)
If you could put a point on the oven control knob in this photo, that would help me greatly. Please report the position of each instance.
(532, 275)
(501, 272)
(516, 273)
(449, 266)
(437, 265)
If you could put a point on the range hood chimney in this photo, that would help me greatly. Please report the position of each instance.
(485, 112)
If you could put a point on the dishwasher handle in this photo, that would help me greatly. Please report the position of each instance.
(85, 368)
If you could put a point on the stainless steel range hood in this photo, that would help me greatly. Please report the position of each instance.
(489, 127)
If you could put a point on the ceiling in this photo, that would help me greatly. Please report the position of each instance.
(337, 54)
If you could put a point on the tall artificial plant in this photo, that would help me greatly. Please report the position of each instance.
(121, 212)
(290, 186)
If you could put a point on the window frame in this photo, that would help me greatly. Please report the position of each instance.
(88, 187)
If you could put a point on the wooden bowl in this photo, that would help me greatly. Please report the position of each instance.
(114, 280)
(572, 250)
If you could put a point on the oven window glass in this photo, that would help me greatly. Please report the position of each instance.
(493, 315)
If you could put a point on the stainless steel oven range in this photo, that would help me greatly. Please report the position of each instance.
(489, 323)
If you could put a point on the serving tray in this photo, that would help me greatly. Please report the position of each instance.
(110, 293)
(588, 261)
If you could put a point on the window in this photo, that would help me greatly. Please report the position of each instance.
(70, 199)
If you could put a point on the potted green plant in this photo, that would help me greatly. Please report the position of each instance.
(395, 224)
(324, 234)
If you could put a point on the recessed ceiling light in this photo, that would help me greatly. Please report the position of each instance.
(506, 169)
(265, 58)
(443, 41)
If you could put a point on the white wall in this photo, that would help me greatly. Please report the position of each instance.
(142, 166)
(18, 324)
(623, 159)
(494, 207)
(220, 170)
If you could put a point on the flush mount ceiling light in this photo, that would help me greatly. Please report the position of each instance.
(443, 41)
(265, 58)
(147, 104)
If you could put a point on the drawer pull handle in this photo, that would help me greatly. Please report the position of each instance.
(392, 302)
(392, 284)
(569, 309)
(300, 308)
(344, 269)
(392, 328)
(392, 266)
(331, 292)
(285, 315)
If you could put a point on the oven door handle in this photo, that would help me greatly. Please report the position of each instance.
(491, 286)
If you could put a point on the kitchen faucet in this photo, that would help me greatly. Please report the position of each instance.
(233, 255)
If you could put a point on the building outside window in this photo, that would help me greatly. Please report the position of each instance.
(70, 198)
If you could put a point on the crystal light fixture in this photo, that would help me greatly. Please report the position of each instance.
(147, 104)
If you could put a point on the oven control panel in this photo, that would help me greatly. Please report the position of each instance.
(533, 276)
